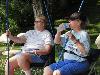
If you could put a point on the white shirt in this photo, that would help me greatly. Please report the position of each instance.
(37, 39)
(69, 45)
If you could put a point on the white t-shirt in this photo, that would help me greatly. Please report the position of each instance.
(69, 45)
(37, 39)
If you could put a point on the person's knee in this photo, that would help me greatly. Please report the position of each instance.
(22, 57)
(47, 71)
(46, 68)
(56, 72)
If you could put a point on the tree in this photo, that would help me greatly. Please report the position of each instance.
(37, 7)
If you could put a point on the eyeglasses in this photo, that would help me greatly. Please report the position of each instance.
(74, 20)
(38, 21)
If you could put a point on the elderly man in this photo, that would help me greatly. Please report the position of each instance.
(38, 43)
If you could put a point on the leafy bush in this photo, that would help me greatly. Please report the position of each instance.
(20, 16)
(58, 22)
(12, 23)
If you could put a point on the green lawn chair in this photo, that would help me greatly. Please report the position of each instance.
(94, 58)
(37, 68)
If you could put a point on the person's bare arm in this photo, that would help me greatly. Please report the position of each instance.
(77, 42)
(45, 51)
(57, 38)
(16, 39)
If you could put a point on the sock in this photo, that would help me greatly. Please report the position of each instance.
(28, 72)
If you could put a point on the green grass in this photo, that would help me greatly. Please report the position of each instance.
(3, 57)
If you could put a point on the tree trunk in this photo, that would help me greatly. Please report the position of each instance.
(37, 7)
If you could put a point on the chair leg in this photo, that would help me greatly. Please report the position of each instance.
(92, 70)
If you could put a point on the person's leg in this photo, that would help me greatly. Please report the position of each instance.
(53, 68)
(24, 60)
(67, 67)
(80, 67)
(47, 71)
(12, 65)
(56, 72)
(21, 60)
(73, 67)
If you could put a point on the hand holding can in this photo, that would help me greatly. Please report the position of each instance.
(62, 27)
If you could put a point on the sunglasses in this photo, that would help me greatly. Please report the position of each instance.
(74, 20)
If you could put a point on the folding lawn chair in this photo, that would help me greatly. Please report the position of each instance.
(37, 68)
(93, 58)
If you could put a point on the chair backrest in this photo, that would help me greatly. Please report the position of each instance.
(52, 55)
(93, 55)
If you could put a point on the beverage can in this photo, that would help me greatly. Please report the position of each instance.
(66, 25)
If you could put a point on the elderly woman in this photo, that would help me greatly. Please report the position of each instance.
(38, 42)
(76, 45)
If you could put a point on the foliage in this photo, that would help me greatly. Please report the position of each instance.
(12, 23)
(58, 22)
(24, 14)
(20, 16)
(93, 28)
